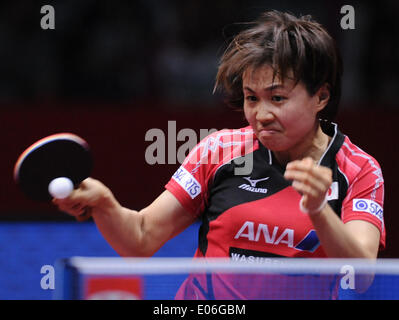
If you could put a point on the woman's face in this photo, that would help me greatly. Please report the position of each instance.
(282, 115)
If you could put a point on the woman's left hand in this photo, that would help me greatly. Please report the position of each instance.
(310, 180)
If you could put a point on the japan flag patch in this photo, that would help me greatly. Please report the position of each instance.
(332, 193)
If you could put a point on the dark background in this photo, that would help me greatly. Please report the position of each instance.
(112, 70)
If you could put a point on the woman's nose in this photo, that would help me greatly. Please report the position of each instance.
(264, 114)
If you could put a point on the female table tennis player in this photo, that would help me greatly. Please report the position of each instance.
(311, 192)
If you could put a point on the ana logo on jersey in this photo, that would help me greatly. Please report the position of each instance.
(253, 232)
(252, 186)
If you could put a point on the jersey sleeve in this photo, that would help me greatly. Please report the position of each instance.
(189, 184)
(365, 198)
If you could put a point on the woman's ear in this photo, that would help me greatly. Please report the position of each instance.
(323, 95)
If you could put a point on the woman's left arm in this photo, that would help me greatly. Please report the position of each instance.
(354, 239)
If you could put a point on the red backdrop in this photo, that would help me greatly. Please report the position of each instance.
(116, 135)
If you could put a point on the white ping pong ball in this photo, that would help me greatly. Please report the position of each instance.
(60, 188)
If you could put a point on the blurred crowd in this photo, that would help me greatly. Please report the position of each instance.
(126, 50)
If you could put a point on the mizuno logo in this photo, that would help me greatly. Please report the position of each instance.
(251, 187)
(254, 182)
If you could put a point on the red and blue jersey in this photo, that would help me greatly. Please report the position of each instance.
(250, 212)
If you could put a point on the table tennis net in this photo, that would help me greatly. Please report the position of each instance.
(223, 279)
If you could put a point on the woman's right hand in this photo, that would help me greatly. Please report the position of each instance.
(131, 233)
(92, 196)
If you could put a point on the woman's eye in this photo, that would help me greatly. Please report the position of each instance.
(251, 98)
(277, 98)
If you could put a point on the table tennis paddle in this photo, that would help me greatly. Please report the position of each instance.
(62, 155)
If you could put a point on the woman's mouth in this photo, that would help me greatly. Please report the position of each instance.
(265, 132)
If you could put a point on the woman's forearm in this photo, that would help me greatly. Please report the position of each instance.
(122, 229)
(337, 240)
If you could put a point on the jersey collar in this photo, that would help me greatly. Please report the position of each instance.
(328, 157)
(331, 129)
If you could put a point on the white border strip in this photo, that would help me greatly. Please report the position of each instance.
(132, 266)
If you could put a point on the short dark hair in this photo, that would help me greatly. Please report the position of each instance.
(288, 44)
